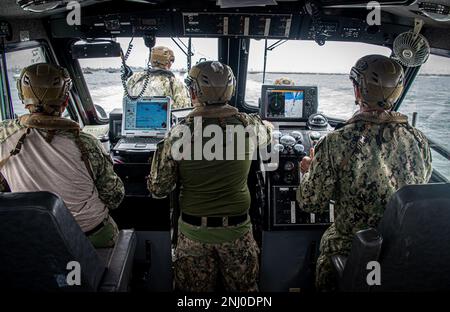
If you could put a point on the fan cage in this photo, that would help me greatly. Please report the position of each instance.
(411, 49)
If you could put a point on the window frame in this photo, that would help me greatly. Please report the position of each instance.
(333, 120)
(15, 47)
(82, 84)
(4, 85)
(8, 107)
(410, 77)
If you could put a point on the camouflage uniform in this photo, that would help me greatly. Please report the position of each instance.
(109, 186)
(360, 166)
(198, 264)
(160, 85)
(198, 259)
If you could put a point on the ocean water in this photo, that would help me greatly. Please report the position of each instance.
(429, 97)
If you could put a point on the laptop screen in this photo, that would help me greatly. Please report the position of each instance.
(146, 115)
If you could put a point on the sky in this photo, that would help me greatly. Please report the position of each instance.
(292, 56)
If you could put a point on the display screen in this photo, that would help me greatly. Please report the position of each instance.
(285, 103)
(151, 115)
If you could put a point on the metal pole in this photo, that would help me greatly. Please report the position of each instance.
(5, 92)
(265, 61)
(189, 54)
(414, 119)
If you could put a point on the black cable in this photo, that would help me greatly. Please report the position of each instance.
(127, 73)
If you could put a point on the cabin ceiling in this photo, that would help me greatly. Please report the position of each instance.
(10, 8)
(409, 9)
(395, 14)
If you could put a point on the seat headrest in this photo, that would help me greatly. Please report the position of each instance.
(39, 237)
(416, 237)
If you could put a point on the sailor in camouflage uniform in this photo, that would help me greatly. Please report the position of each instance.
(215, 231)
(284, 81)
(361, 164)
(42, 151)
(161, 81)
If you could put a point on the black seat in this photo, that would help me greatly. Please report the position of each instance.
(39, 237)
(411, 244)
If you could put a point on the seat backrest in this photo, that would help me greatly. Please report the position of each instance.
(38, 238)
(366, 247)
(415, 254)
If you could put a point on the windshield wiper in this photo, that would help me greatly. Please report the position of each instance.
(442, 150)
(187, 50)
(270, 48)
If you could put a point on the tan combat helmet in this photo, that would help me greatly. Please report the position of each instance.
(161, 56)
(380, 80)
(284, 81)
(213, 82)
(44, 88)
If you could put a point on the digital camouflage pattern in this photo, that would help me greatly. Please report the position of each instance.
(160, 85)
(359, 167)
(109, 186)
(197, 265)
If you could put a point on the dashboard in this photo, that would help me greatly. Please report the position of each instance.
(237, 24)
(298, 127)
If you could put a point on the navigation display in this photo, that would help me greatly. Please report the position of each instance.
(291, 103)
(151, 115)
(285, 103)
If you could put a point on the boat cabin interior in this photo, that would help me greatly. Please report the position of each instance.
(314, 43)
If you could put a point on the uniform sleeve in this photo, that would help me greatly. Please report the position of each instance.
(181, 98)
(163, 175)
(7, 129)
(428, 162)
(109, 186)
(318, 185)
(134, 83)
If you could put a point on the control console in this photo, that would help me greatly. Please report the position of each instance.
(293, 111)
(283, 210)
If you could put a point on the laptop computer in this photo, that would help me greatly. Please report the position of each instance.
(145, 122)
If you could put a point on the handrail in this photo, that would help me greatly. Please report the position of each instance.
(443, 151)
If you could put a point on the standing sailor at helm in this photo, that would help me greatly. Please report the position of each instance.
(284, 81)
(215, 232)
(161, 81)
(42, 151)
(361, 164)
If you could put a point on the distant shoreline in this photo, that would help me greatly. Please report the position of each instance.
(117, 70)
(295, 73)
(328, 74)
